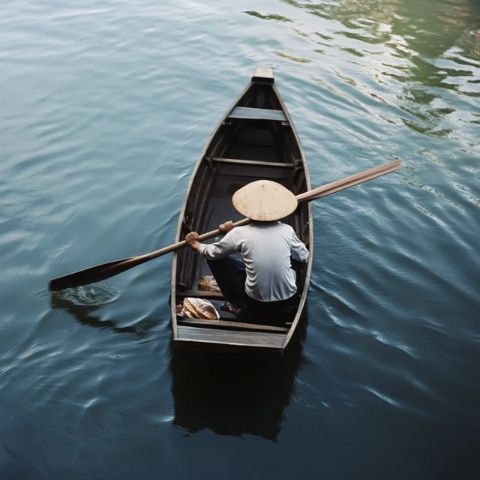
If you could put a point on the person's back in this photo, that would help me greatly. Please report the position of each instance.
(266, 249)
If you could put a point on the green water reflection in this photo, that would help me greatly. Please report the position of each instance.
(418, 44)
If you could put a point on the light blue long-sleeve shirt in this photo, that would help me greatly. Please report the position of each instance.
(266, 250)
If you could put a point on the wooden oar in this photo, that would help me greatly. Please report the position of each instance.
(106, 270)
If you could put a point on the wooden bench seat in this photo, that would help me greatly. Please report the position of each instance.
(249, 113)
(265, 340)
(235, 325)
(252, 163)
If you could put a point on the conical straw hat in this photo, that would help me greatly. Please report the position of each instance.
(264, 201)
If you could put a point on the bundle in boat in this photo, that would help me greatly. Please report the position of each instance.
(198, 308)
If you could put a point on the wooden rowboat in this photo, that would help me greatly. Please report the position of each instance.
(254, 140)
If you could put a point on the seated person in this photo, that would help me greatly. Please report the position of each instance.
(263, 275)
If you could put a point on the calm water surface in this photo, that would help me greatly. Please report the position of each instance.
(104, 109)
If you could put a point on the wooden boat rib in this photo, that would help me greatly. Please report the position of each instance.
(254, 140)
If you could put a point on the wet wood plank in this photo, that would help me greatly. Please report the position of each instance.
(252, 163)
(248, 113)
(234, 325)
(230, 337)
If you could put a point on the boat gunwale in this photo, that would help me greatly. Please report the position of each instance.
(303, 298)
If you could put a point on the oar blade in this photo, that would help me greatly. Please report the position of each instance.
(93, 274)
(375, 173)
(348, 182)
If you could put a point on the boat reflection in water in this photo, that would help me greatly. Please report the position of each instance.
(234, 394)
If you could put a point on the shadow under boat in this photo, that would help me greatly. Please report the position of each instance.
(233, 394)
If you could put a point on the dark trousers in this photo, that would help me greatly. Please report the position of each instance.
(230, 275)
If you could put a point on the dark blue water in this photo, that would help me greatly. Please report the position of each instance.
(104, 108)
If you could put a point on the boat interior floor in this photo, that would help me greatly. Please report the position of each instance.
(255, 151)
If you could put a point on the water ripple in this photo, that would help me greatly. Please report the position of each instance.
(105, 110)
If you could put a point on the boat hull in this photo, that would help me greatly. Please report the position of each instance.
(255, 139)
